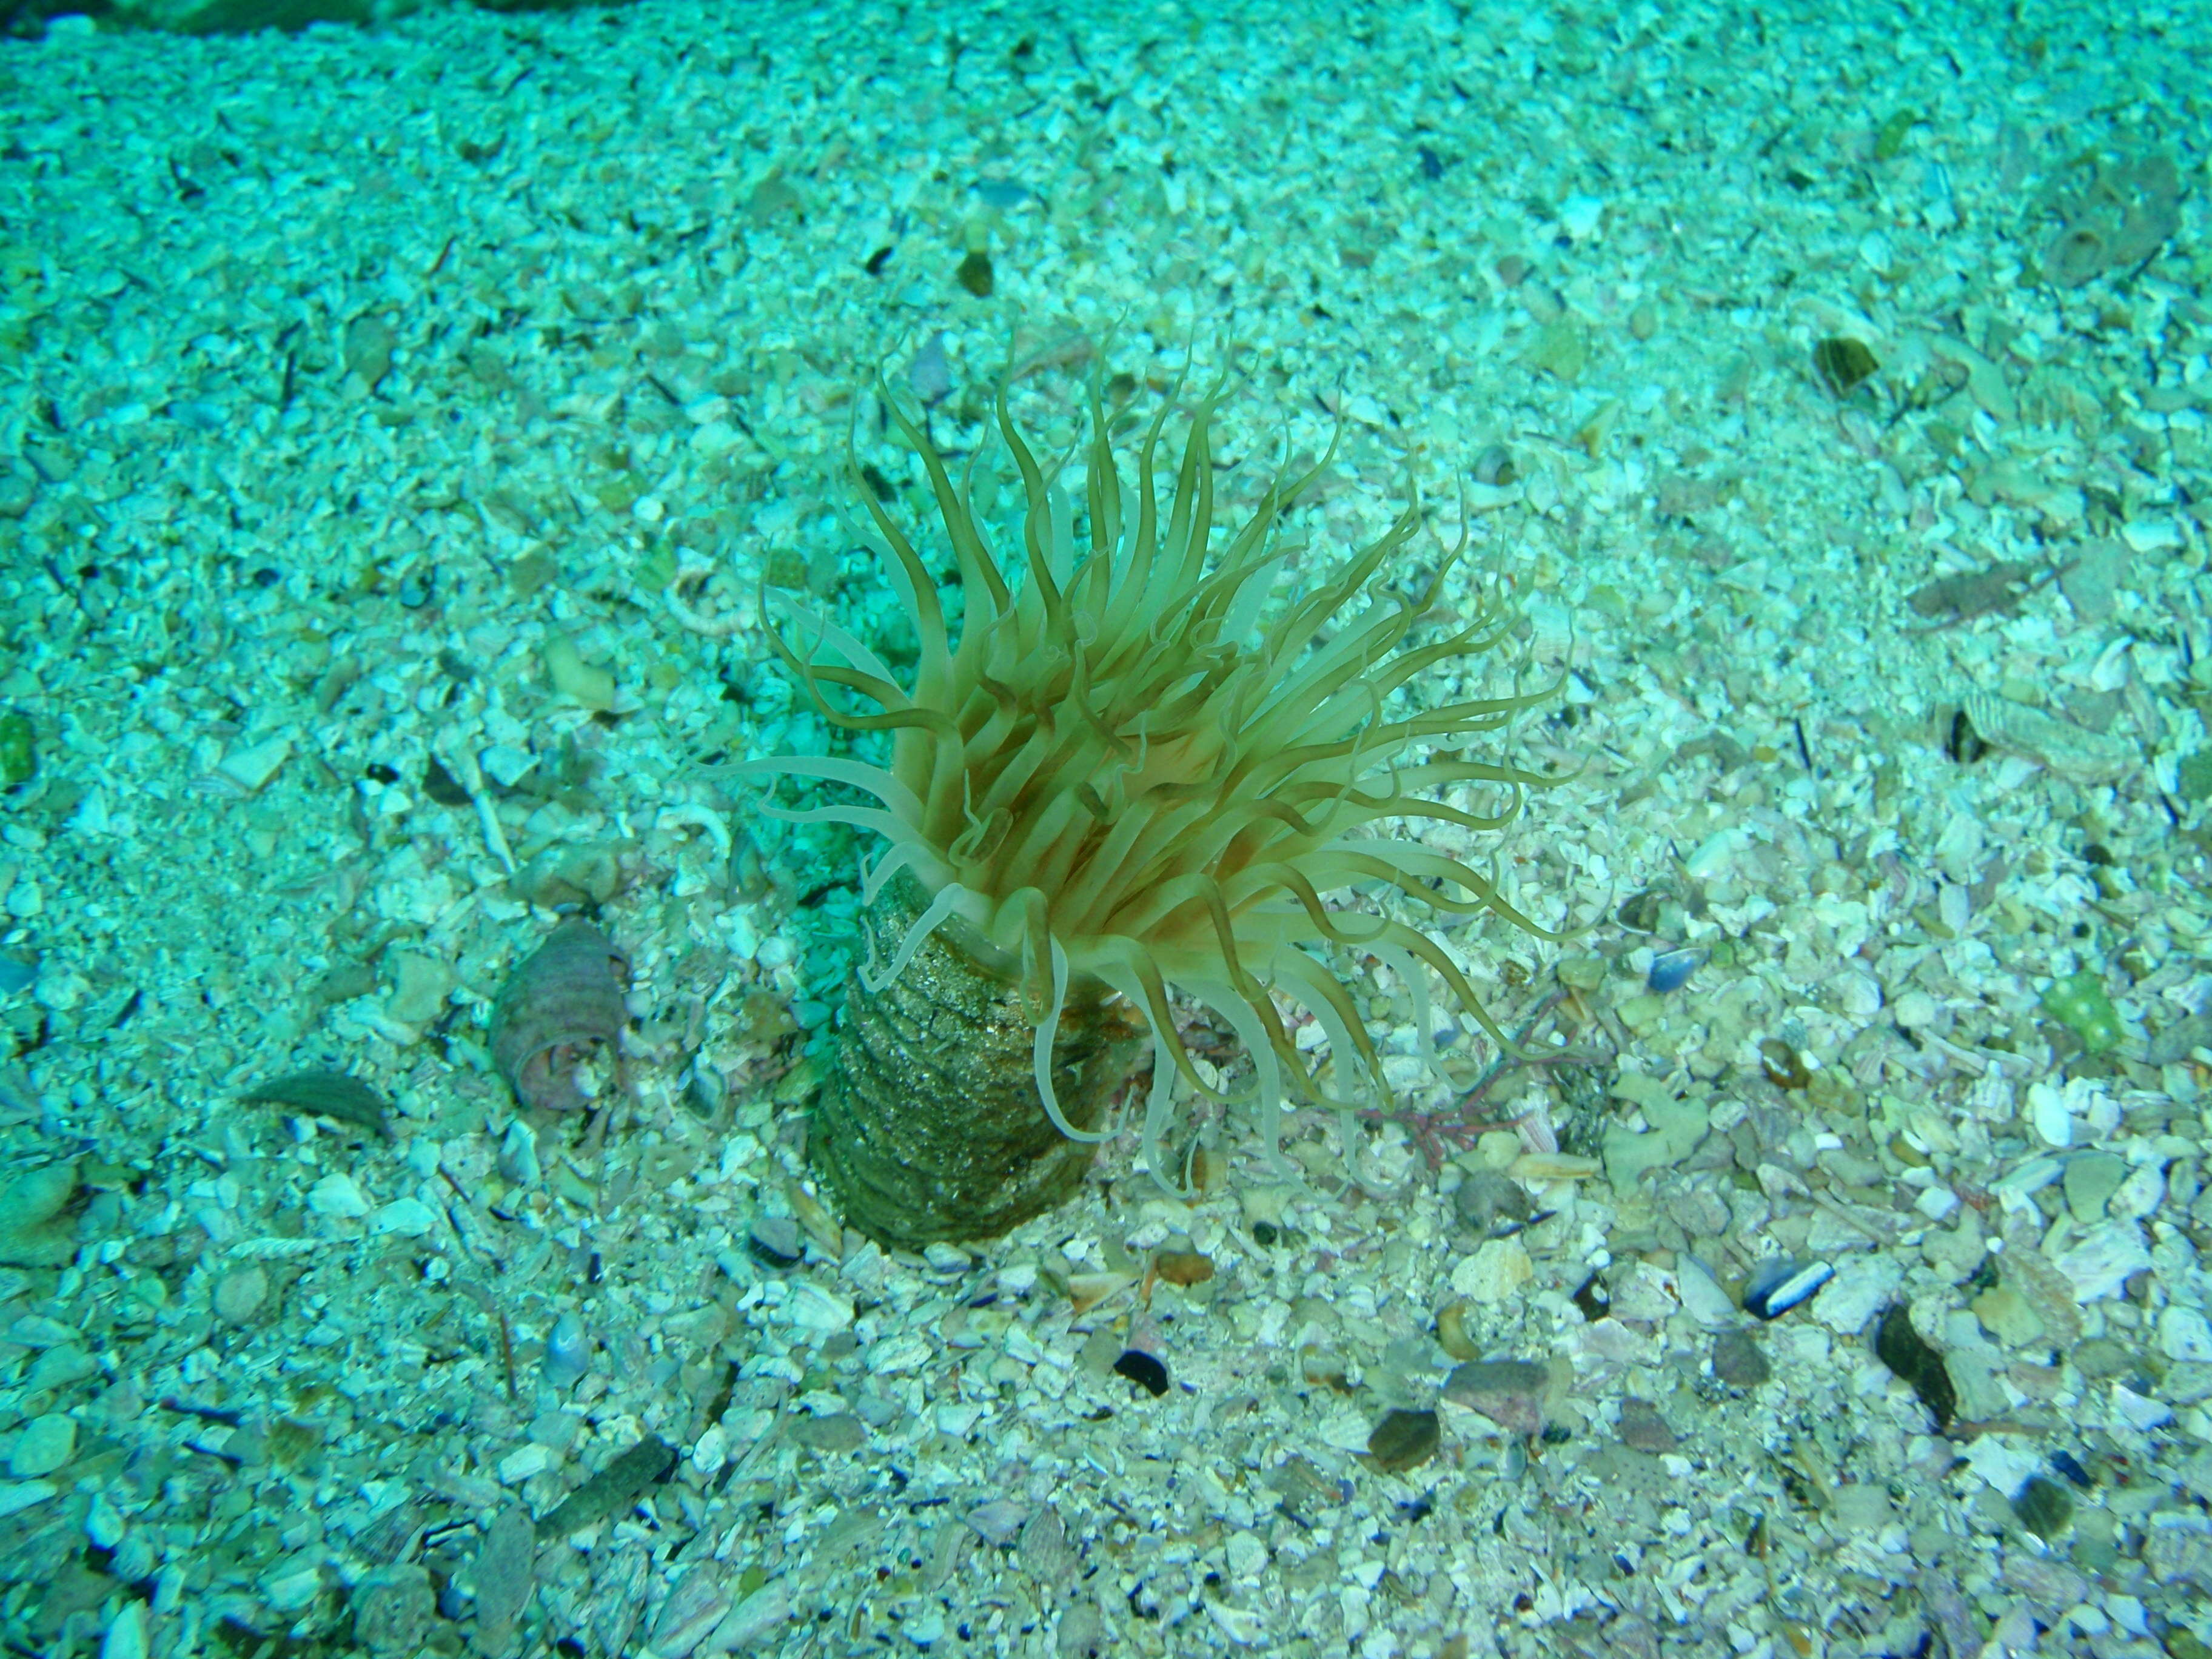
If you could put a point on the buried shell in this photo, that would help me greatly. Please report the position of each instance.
(335, 1095)
(563, 998)
(1671, 969)
(1779, 1284)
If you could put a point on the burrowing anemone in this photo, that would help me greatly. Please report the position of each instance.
(1136, 771)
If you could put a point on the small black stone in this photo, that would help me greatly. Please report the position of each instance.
(1143, 1370)
(1594, 1298)
(2070, 1466)
(441, 785)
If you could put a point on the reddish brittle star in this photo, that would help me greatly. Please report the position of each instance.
(1431, 1130)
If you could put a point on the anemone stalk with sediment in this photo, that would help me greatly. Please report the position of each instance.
(1134, 772)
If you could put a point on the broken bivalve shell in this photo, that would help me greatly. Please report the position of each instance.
(1780, 1283)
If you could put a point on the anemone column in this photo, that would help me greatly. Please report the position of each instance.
(930, 1126)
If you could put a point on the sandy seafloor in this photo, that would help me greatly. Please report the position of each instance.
(397, 428)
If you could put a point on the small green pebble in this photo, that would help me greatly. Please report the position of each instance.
(1890, 140)
(2194, 776)
(1843, 363)
(1560, 350)
(2079, 1003)
(19, 760)
(1582, 972)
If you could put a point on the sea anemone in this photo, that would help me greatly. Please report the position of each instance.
(1137, 771)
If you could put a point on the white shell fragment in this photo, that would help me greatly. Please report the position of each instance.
(18, 1495)
(2053, 1119)
(1860, 1288)
(45, 1444)
(812, 1308)
(2104, 1259)
(2185, 1334)
(409, 1216)
(125, 1636)
(239, 1294)
(1497, 1268)
(1702, 1298)
(252, 767)
(339, 1197)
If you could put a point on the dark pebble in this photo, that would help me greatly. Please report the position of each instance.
(2043, 1507)
(1906, 1352)
(1403, 1440)
(1143, 1370)
(1738, 1362)
(976, 275)
(2070, 1466)
(1594, 1298)
(628, 1477)
(441, 786)
(1642, 1428)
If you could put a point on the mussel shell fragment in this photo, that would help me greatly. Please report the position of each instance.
(1780, 1283)
(1671, 969)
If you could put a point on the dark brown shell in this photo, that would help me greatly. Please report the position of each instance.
(326, 1094)
(559, 1001)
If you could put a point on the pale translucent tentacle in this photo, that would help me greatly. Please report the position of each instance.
(927, 923)
(1048, 1030)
